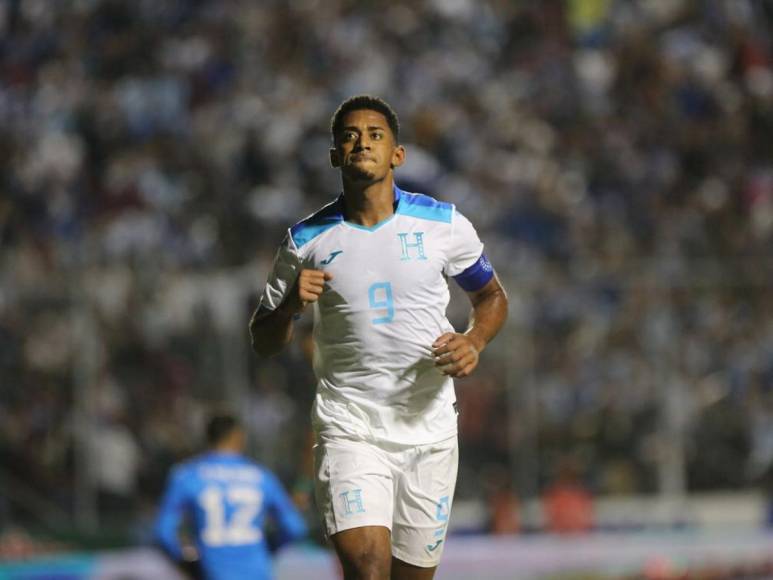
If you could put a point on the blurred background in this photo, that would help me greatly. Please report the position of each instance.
(616, 157)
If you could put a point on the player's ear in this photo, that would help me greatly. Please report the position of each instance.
(398, 156)
(335, 160)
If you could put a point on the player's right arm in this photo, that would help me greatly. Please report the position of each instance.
(174, 507)
(170, 515)
(272, 330)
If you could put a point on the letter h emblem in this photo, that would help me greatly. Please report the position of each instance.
(353, 504)
(418, 245)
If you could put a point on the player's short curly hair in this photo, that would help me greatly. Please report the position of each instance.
(360, 102)
(219, 426)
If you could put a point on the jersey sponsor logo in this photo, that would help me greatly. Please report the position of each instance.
(409, 249)
(433, 547)
(331, 257)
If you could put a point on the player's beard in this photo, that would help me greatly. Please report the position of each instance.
(359, 174)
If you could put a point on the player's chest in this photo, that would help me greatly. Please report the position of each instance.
(407, 255)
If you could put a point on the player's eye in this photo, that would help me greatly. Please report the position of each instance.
(377, 136)
(350, 136)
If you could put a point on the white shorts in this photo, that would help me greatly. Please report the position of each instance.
(406, 488)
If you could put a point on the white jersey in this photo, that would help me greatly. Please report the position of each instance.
(377, 318)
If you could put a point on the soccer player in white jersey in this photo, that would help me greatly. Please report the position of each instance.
(374, 264)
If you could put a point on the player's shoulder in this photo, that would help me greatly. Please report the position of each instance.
(261, 470)
(328, 216)
(183, 471)
(251, 472)
(192, 464)
(246, 466)
(425, 207)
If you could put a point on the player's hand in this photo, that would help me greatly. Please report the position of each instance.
(308, 288)
(190, 563)
(192, 569)
(456, 355)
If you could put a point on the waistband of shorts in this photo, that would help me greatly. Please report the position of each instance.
(340, 437)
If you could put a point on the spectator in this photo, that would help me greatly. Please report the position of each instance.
(567, 503)
(617, 155)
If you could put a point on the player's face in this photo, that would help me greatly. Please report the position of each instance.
(365, 147)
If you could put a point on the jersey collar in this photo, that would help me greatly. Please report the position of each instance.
(339, 205)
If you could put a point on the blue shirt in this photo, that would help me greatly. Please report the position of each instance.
(226, 498)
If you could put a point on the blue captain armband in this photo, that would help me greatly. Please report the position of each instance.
(476, 276)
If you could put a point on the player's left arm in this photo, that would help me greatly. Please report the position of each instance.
(457, 354)
(170, 515)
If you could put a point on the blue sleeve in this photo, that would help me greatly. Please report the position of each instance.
(476, 276)
(170, 514)
(289, 521)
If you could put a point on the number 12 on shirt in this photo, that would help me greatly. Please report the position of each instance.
(380, 298)
(245, 503)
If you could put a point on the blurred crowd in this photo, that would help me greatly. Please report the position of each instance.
(615, 156)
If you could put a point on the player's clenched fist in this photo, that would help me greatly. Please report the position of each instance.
(455, 354)
(308, 288)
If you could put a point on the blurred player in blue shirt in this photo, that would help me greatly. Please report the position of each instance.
(225, 499)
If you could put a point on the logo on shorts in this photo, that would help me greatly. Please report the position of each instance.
(433, 547)
(442, 509)
(352, 503)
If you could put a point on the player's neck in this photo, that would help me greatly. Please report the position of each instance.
(226, 449)
(370, 204)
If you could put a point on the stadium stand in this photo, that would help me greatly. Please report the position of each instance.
(615, 155)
